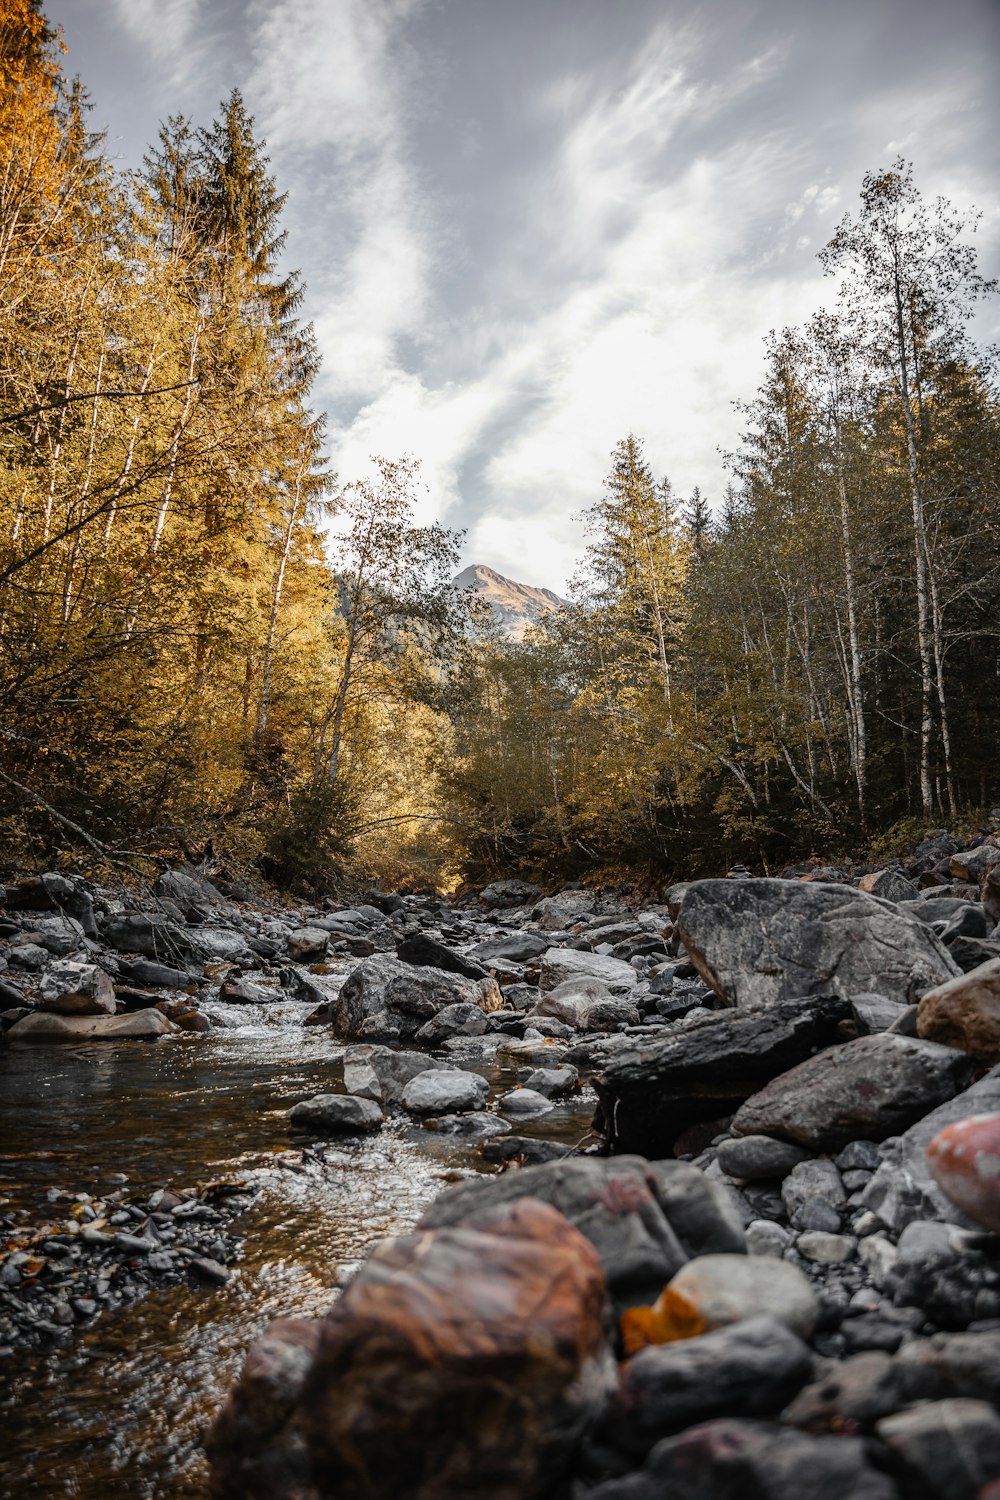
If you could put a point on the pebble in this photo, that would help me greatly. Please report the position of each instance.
(826, 1249)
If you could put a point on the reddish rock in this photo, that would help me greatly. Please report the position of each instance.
(187, 1017)
(459, 1362)
(965, 1012)
(255, 1445)
(965, 1161)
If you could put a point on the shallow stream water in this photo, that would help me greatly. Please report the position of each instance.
(118, 1410)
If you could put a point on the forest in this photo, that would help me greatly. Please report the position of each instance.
(207, 636)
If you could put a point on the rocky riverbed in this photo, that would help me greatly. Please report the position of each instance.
(748, 1273)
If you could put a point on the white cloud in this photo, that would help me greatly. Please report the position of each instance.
(164, 28)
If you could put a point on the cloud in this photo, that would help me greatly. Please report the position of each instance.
(168, 31)
(333, 85)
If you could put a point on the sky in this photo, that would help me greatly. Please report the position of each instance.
(529, 227)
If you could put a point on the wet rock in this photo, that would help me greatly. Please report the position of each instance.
(552, 1082)
(751, 1157)
(943, 1448)
(141, 1025)
(385, 994)
(562, 964)
(750, 1368)
(457, 1355)
(477, 1125)
(76, 989)
(336, 1114)
(209, 1270)
(245, 992)
(965, 1013)
(766, 940)
(872, 1087)
(730, 1459)
(525, 1104)
(965, 1161)
(184, 1016)
(422, 949)
(154, 976)
(650, 1091)
(445, 1091)
(463, 1019)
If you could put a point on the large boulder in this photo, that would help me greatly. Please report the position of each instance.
(766, 940)
(588, 1005)
(154, 936)
(420, 948)
(196, 896)
(503, 894)
(965, 1012)
(336, 1114)
(555, 913)
(384, 996)
(141, 1025)
(75, 989)
(382, 1073)
(903, 1188)
(445, 1091)
(462, 1362)
(562, 964)
(643, 1218)
(650, 1091)
(868, 1089)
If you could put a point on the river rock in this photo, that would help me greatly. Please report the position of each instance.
(766, 940)
(422, 949)
(445, 1091)
(873, 1087)
(972, 864)
(949, 1448)
(154, 936)
(552, 1082)
(245, 992)
(526, 1104)
(751, 1157)
(644, 1218)
(255, 1445)
(518, 948)
(336, 1114)
(141, 1025)
(462, 1019)
(382, 1073)
(504, 894)
(965, 1161)
(729, 1459)
(385, 995)
(723, 1289)
(965, 1013)
(457, 1355)
(75, 989)
(891, 885)
(561, 964)
(651, 1091)
(196, 896)
(307, 945)
(750, 1368)
(904, 1188)
(556, 913)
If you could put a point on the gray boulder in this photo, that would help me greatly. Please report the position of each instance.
(307, 945)
(503, 894)
(382, 1073)
(445, 1091)
(650, 1091)
(518, 948)
(463, 1019)
(140, 1025)
(873, 1087)
(767, 940)
(336, 1114)
(75, 989)
(385, 996)
(154, 936)
(561, 964)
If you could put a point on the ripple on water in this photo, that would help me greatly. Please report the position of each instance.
(121, 1411)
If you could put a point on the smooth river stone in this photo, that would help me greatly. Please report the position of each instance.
(965, 1161)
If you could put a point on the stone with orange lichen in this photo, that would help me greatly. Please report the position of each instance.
(965, 1161)
(671, 1317)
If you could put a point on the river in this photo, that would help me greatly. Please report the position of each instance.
(118, 1411)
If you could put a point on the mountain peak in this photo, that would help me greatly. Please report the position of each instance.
(514, 606)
